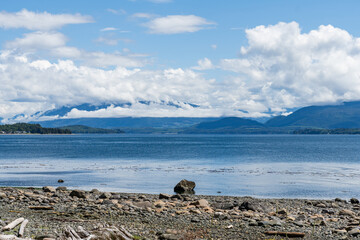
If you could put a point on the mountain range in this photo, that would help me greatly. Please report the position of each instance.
(345, 115)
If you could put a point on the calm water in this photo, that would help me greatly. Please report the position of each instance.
(292, 166)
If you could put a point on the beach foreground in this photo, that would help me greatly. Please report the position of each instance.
(52, 211)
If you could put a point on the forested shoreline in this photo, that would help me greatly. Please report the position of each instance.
(27, 128)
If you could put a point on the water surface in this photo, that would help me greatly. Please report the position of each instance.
(291, 166)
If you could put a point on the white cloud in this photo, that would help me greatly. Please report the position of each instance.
(40, 21)
(38, 40)
(101, 59)
(280, 68)
(143, 15)
(117, 12)
(112, 41)
(174, 24)
(108, 29)
(287, 68)
(53, 44)
(204, 64)
(64, 83)
(107, 41)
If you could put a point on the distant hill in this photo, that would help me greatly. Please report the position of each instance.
(342, 116)
(26, 128)
(127, 122)
(228, 125)
(229, 122)
(86, 129)
(346, 115)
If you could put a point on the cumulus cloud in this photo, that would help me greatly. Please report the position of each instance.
(38, 40)
(174, 24)
(65, 83)
(281, 67)
(287, 68)
(204, 64)
(40, 21)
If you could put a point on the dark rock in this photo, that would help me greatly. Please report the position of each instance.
(252, 222)
(95, 191)
(105, 195)
(354, 201)
(250, 206)
(78, 193)
(60, 181)
(223, 205)
(185, 186)
(176, 196)
(48, 189)
(115, 197)
(107, 202)
(328, 211)
(340, 200)
(195, 220)
(164, 196)
(41, 237)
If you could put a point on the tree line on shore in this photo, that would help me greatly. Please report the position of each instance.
(27, 128)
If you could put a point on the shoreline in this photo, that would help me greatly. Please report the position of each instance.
(161, 216)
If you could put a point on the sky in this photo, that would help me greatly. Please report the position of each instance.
(176, 58)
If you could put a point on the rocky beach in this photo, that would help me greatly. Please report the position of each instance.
(59, 213)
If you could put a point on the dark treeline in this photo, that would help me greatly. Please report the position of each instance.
(19, 128)
(328, 131)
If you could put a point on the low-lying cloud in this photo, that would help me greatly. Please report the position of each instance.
(280, 68)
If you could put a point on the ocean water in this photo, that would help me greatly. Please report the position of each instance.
(271, 166)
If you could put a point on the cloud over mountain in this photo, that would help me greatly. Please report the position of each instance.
(288, 68)
(281, 67)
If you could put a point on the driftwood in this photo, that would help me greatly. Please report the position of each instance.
(13, 224)
(12, 237)
(114, 233)
(22, 228)
(70, 232)
(286, 234)
(41, 207)
(82, 233)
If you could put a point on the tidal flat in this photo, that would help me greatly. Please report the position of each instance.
(93, 214)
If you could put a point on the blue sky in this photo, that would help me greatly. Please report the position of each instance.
(229, 58)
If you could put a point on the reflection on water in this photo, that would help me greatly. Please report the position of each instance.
(263, 166)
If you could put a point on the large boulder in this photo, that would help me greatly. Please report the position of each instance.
(185, 187)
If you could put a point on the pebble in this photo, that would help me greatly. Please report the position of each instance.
(145, 215)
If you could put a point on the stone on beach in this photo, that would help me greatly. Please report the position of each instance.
(189, 216)
(49, 189)
(105, 195)
(78, 193)
(185, 187)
